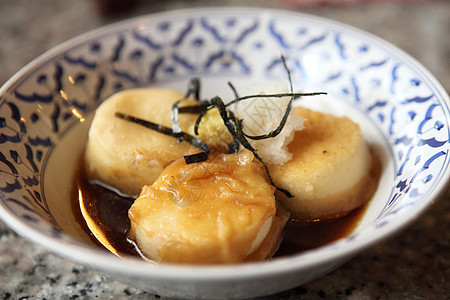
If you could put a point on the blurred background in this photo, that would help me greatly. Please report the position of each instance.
(419, 27)
(415, 264)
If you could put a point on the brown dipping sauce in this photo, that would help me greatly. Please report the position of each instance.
(106, 212)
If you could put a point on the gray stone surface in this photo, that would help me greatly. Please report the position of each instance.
(413, 264)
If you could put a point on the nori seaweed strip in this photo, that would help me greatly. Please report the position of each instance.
(227, 115)
(234, 127)
(193, 109)
(244, 142)
(198, 143)
(175, 121)
(196, 158)
(286, 113)
(295, 95)
(283, 59)
(277, 130)
(193, 89)
(233, 89)
(234, 146)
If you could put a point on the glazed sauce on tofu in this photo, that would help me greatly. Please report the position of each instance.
(103, 214)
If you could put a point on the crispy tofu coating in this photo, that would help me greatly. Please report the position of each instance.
(128, 156)
(214, 212)
(329, 172)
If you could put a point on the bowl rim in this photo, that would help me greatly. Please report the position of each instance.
(96, 257)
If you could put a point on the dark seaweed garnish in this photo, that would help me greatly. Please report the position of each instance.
(236, 95)
(283, 121)
(233, 124)
(181, 136)
(288, 108)
(194, 90)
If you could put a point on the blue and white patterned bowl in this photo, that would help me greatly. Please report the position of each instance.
(46, 107)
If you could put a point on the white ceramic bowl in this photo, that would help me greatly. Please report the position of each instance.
(46, 107)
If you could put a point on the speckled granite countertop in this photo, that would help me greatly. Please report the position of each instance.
(414, 264)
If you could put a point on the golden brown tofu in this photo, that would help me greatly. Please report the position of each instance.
(128, 156)
(214, 212)
(329, 169)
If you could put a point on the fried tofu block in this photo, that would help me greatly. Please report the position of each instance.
(329, 170)
(220, 211)
(128, 156)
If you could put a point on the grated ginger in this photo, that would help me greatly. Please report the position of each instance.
(213, 131)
